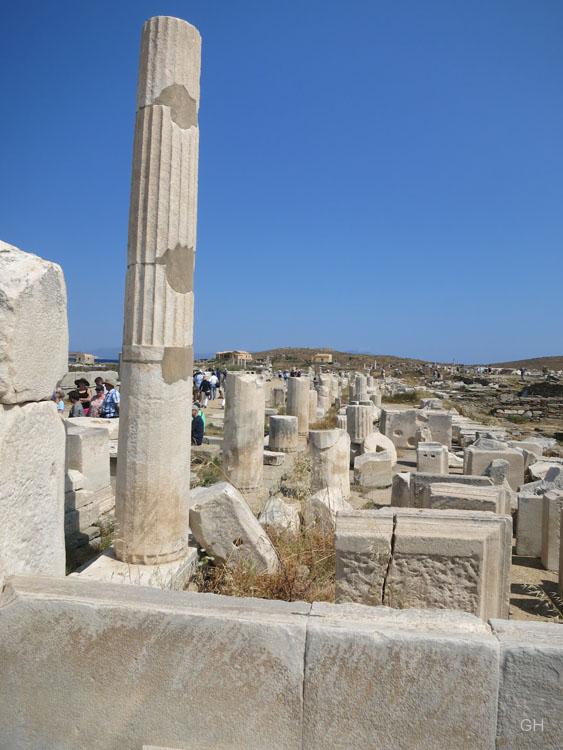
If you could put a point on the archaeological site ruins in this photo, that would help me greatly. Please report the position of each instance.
(357, 554)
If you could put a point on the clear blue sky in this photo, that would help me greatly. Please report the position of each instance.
(374, 176)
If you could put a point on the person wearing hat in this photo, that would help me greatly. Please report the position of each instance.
(83, 390)
(98, 401)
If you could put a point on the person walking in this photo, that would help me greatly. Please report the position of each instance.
(198, 428)
(213, 382)
(205, 391)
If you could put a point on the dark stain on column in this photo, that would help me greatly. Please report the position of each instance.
(179, 267)
(183, 107)
(177, 363)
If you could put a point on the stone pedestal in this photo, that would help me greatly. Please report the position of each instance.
(243, 437)
(298, 402)
(284, 435)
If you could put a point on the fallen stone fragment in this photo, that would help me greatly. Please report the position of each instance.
(223, 524)
(321, 508)
(280, 515)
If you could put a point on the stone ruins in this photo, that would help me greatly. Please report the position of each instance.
(115, 530)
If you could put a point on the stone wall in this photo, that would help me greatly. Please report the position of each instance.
(128, 666)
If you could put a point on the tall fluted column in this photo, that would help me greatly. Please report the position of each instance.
(156, 366)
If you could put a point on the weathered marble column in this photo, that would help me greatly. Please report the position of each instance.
(330, 458)
(284, 436)
(360, 388)
(298, 402)
(359, 421)
(156, 367)
(243, 434)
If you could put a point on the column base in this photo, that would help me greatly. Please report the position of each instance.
(168, 576)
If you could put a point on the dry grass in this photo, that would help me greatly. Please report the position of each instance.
(208, 471)
(307, 570)
(328, 422)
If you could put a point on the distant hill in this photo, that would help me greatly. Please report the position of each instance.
(535, 363)
(304, 355)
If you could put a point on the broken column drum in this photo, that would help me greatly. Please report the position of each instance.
(359, 422)
(330, 458)
(156, 372)
(283, 435)
(298, 402)
(243, 435)
(360, 388)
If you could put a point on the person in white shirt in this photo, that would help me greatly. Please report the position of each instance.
(214, 382)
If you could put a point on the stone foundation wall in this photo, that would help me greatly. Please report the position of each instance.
(126, 666)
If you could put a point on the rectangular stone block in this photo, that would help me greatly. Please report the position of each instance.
(363, 548)
(451, 560)
(425, 558)
(96, 665)
(530, 706)
(440, 425)
(384, 679)
(529, 529)
(87, 451)
(399, 426)
(551, 525)
(477, 459)
(420, 484)
(432, 458)
(33, 326)
(81, 518)
(32, 449)
(468, 497)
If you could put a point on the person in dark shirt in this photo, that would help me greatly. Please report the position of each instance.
(197, 427)
(205, 391)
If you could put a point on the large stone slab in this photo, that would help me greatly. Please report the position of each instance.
(91, 665)
(418, 494)
(32, 456)
(386, 679)
(223, 524)
(530, 706)
(33, 326)
(468, 497)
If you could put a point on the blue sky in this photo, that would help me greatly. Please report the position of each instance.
(374, 176)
